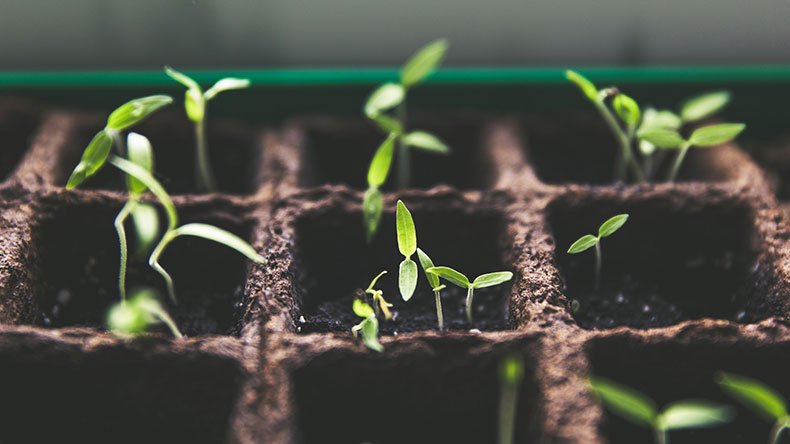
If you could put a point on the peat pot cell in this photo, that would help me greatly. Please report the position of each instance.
(114, 395)
(572, 149)
(669, 372)
(339, 152)
(774, 156)
(233, 151)
(18, 124)
(78, 257)
(335, 263)
(447, 396)
(672, 261)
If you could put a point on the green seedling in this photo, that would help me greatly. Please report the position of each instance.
(640, 410)
(139, 314)
(588, 241)
(407, 245)
(759, 398)
(369, 327)
(380, 305)
(377, 174)
(458, 279)
(511, 373)
(195, 103)
(391, 96)
(436, 286)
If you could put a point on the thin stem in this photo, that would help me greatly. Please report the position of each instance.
(404, 156)
(119, 228)
(469, 294)
(508, 398)
(777, 429)
(439, 315)
(662, 437)
(153, 261)
(203, 174)
(598, 264)
(168, 321)
(625, 146)
(673, 174)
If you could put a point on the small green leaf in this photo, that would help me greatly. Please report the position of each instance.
(704, 105)
(452, 276)
(93, 158)
(407, 279)
(385, 97)
(388, 124)
(423, 62)
(375, 279)
(363, 309)
(220, 236)
(151, 183)
(584, 85)
(425, 141)
(627, 109)
(756, 395)
(662, 119)
(426, 263)
(134, 111)
(127, 319)
(407, 235)
(146, 226)
(370, 334)
(713, 135)
(226, 84)
(140, 153)
(625, 402)
(662, 138)
(380, 164)
(693, 415)
(583, 243)
(182, 78)
(613, 224)
(511, 370)
(491, 279)
(371, 211)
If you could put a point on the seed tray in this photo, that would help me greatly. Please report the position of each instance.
(270, 358)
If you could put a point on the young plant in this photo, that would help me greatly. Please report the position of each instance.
(759, 398)
(436, 286)
(458, 279)
(369, 327)
(377, 174)
(640, 410)
(511, 373)
(393, 95)
(588, 241)
(195, 103)
(139, 314)
(407, 245)
(380, 305)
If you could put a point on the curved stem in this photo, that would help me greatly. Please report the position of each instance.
(777, 429)
(469, 294)
(673, 174)
(203, 174)
(439, 314)
(404, 156)
(153, 261)
(662, 437)
(624, 141)
(598, 264)
(168, 321)
(119, 221)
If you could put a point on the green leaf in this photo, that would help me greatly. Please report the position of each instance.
(713, 135)
(140, 153)
(511, 370)
(407, 235)
(584, 85)
(146, 226)
(627, 109)
(152, 184)
(388, 124)
(425, 141)
(375, 279)
(134, 111)
(583, 243)
(452, 276)
(220, 236)
(625, 402)
(491, 279)
(407, 278)
(426, 263)
(662, 119)
(370, 334)
(423, 62)
(694, 414)
(380, 164)
(182, 78)
(755, 395)
(662, 138)
(613, 224)
(363, 309)
(704, 105)
(372, 205)
(93, 158)
(386, 96)
(226, 84)
(127, 319)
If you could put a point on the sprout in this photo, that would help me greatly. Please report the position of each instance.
(369, 327)
(759, 398)
(436, 286)
(393, 95)
(640, 410)
(407, 245)
(380, 305)
(136, 316)
(484, 280)
(377, 174)
(588, 241)
(511, 373)
(195, 102)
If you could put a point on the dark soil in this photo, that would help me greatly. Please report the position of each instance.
(18, 123)
(774, 156)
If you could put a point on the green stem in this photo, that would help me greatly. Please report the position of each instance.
(168, 321)
(508, 398)
(625, 142)
(203, 173)
(777, 429)
(673, 174)
(153, 261)
(662, 437)
(120, 145)
(119, 221)
(404, 156)
(469, 294)
(598, 264)
(439, 315)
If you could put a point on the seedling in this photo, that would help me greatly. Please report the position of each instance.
(139, 314)
(761, 399)
(436, 286)
(377, 174)
(458, 279)
(511, 373)
(369, 327)
(588, 241)
(195, 103)
(380, 305)
(640, 410)
(393, 95)
(407, 244)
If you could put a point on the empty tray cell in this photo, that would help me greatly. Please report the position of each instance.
(18, 124)
(677, 258)
(448, 395)
(334, 263)
(54, 393)
(582, 149)
(669, 372)
(77, 253)
(339, 152)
